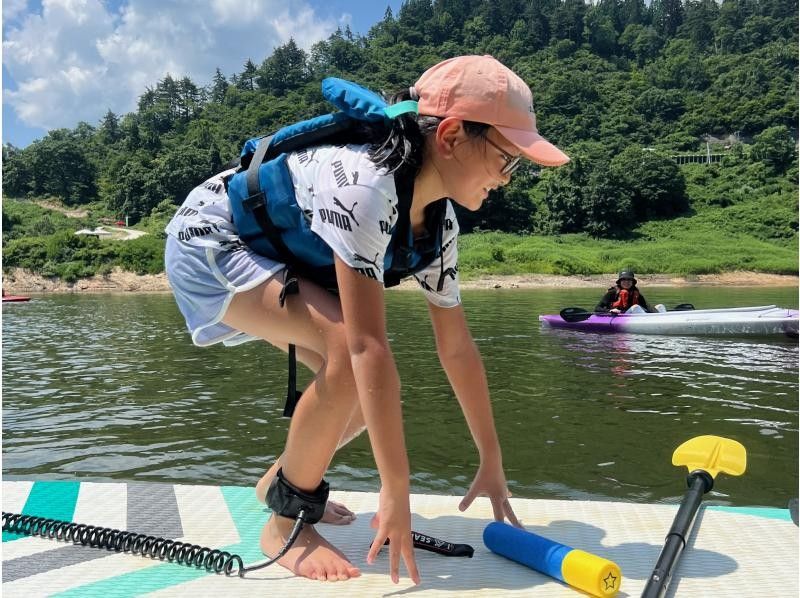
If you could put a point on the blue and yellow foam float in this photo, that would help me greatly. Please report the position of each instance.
(581, 570)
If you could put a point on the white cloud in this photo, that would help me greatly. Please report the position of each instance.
(13, 9)
(77, 59)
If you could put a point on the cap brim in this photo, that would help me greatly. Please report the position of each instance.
(534, 147)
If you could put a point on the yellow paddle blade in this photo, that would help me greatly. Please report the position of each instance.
(713, 454)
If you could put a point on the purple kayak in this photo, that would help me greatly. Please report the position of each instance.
(761, 320)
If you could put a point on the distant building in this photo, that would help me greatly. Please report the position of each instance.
(97, 232)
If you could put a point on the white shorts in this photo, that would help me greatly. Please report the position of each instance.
(204, 281)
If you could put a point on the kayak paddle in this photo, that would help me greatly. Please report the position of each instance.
(578, 314)
(574, 314)
(705, 457)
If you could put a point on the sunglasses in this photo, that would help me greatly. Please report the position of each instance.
(512, 162)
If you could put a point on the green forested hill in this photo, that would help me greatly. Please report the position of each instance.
(621, 86)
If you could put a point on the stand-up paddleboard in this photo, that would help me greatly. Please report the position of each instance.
(760, 320)
(734, 551)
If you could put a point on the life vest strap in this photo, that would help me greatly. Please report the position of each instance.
(292, 395)
(290, 287)
(256, 202)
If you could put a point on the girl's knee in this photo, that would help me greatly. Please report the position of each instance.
(339, 371)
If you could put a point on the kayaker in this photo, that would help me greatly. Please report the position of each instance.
(623, 297)
(475, 125)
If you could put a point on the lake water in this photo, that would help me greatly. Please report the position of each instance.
(102, 387)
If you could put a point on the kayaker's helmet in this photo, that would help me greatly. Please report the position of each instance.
(626, 274)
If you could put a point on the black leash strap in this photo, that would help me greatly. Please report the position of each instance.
(292, 394)
(290, 287)
(429, 543)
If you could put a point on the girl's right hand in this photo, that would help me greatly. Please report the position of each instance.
(393, 521)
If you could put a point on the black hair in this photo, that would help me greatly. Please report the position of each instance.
(401, 144)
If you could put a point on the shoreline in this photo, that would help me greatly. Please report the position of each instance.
(19, 281)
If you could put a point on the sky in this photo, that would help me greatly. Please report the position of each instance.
(66, 61)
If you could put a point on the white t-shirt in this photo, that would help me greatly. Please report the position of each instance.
(351, 204)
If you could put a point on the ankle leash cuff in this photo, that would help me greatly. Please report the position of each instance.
(287, 500)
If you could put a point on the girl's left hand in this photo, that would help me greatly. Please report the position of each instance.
(491, 481)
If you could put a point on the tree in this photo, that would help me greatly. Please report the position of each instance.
(219, 85)
(110, 131)
(414, 19)
(130, 132)
(584, 196)
(167, 100)
(653, 181)
(538, 26)
(634, 12)
(134, 188)
(599, 32)
(567, 21)
(190, 99)
(476, 30)
(286, 69)
(385, 33)
(177, 171)
(59, 166)
(680, 66)
(640, 42)
(662, 104)
(606, 206)
(500, 15)
(775, 147)
(247, 79)
(16, 173)
(667, 16)
(341, 53)
(697, 24)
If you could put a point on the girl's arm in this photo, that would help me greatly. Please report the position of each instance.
(464, 368)
(378, 386)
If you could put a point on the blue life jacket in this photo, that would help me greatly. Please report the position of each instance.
(264, 206)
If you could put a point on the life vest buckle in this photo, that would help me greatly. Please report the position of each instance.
(254, 202)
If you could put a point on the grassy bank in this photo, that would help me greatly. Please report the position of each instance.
(758, 236)
(692, 245)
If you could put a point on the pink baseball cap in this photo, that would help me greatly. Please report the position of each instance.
(481, 89)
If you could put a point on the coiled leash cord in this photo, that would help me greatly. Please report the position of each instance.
(180, 553)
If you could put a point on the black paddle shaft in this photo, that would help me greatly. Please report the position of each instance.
(578, 314)
(699, 483)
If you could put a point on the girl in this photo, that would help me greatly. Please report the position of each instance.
(475, 125)
(625, 297)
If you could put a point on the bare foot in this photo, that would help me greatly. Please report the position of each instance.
(335, 513)
(310, 556)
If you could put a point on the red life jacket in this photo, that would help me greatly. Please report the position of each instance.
(626, 299)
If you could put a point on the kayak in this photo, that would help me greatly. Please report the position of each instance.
(734, 551)
(15, 298)
(762, 319)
